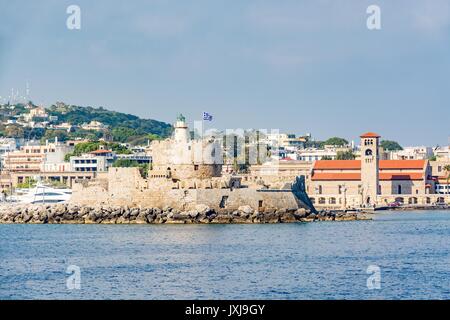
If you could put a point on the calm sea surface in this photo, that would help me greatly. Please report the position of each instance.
(324, 260)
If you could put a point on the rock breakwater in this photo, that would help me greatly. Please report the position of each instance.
(73, 214)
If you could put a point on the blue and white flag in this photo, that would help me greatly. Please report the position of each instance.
(207, 116)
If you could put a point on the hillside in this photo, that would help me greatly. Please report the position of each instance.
(77, 115)
(121, 127)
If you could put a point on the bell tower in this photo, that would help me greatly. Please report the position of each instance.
(370, 159)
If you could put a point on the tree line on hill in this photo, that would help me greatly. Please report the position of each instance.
(122, 127)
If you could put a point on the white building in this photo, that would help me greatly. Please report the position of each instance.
(442, 152)
(96, 161)
(411, 153)
(54, 161)
(139, 157)
(285, 140)
(38, 112)
(313, 154)
(94, 125)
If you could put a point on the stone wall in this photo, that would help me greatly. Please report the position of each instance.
(185, 171)
(126, 187)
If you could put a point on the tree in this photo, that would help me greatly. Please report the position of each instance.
(28, 183)
(326, 158)
(390, 145)
(345, 155)
(118, 148)
(122, 134)
(81, 148)
(125, 163)
(14, 131)
(314, 144)
(50, 135)
(336, 141)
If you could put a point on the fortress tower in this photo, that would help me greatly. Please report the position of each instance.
(181, 132)
(369, 167)
(181, 157)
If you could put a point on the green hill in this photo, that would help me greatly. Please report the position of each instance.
(78, 115)
(122, 127)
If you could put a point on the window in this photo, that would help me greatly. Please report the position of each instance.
(399, 200)
(196, 167)
(399, 189)
(368, 152)
(223, 202)
(332, 200)
(260, 204)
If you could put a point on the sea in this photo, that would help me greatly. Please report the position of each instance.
(397, 255)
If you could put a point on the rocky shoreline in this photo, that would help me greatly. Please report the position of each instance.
(73, 214)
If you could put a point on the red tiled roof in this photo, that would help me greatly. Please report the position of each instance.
(402, 164)
(337, 165)
(346, 176)
(370, 135)
(325, 176)
(356, 164)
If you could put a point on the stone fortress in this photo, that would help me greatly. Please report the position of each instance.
(187, 174)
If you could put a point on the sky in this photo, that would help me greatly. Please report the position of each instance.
(292, 65)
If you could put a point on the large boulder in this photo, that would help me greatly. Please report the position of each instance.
(287, 217)
(246, 209)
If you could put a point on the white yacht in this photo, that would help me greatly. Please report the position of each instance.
(41, 194)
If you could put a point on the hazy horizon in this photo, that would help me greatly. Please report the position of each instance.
(297, 66)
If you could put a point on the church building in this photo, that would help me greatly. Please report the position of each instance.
(369, 181)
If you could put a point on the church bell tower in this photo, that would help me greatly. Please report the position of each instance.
(370, 159)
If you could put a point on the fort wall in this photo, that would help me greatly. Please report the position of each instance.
(126, 187)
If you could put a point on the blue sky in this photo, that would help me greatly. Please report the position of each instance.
(298, 66)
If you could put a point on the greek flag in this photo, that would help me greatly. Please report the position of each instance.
(207, 116)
